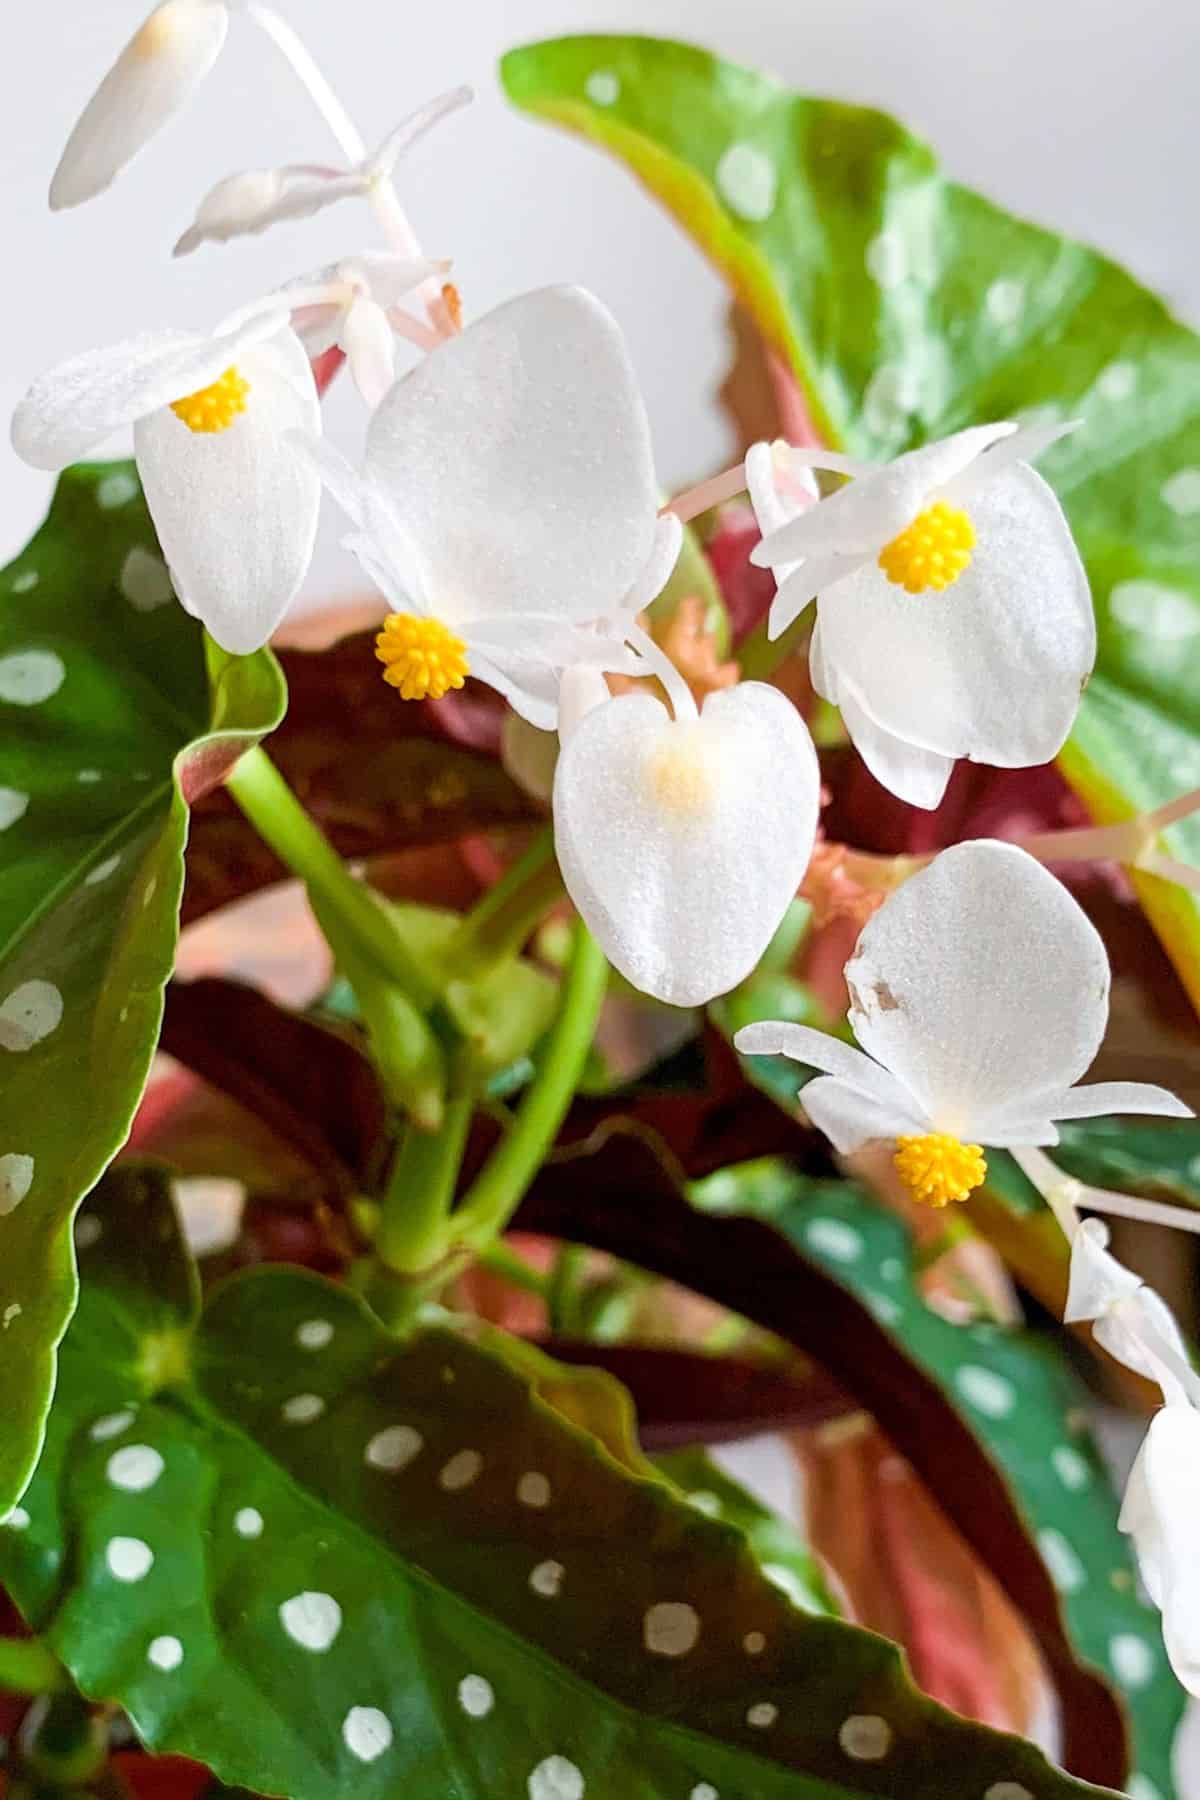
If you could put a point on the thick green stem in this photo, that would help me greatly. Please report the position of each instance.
(413, 1225)
(496, 1192)
(276, 814)
(27, 1667)
(508, 914)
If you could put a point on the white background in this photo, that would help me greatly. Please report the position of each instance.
(1080, 113)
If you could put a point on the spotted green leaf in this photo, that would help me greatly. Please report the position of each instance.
(327, 1562)
(907, 306)
(1022, 1401)
(110, 720)
(785, 1558)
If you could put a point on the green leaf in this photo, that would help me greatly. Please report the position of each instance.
(781, 1553)
(907, 307)
(324, 1561)
(832, 1274)
(1021, 1399)
(110, 722)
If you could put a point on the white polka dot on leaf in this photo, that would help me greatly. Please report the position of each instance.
(556, 1779)
(865, 1737)
(28, 677)
(128, 1558)
(29, 1014)
(476, 1696)
(16, 1179)
(135, 1468)
(547, 1580)
(248, 1522)
(671, 1628)
(366, 1733)
(311, 1620)
(165, 1653)
(462, 1469)
(533, 1490)
(302, 1409)
(393, 1448)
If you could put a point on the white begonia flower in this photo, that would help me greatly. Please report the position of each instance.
(682, 840)
(347, 305)
(979, 992)
(234, 507)
(1162, 1497)
(244, 204)
(508, 507)
(953, 612)
(157, 72)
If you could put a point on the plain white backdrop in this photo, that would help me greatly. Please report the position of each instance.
(1079, 113)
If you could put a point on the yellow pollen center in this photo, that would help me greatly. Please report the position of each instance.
(160, 30)
(421, 657)
(680, 775)
(938, 1168)
(215, 407)
(932, 552)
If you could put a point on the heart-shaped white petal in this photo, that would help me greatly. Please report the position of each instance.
(74, 407)
(992, 667)
(682, 843)
(1162, 1504)
(518, 457)
(158, 70)
(981, 985)
(236, 510)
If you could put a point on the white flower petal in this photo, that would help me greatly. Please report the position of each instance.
(992, 667)
(819, 1050)
(247, 203)
(158, 70)
(581, 691)
(74, 407)
(370, 348)
(1023, 446)
(388, 278)
(981, 985)
(1098, 1099)
(1097, 1279)
(912, 774)
(1162, 1504)
(531, 689)
(870, 511)
(338, 475)
(850, 1118)
(236, 510)
(664, 554)
(682, 843)
(518, 456)
(403, 136)
(802, 582)
(780, 489)
(1141, 1331)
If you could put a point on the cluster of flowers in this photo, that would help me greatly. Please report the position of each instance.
(507, 508)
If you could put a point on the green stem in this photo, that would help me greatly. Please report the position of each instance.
(758, 658)
(566, 1279)
(508, 914)
(276, 814)
(497, 1190)
(27, 1667)
(498, 1259)
(412, 1233)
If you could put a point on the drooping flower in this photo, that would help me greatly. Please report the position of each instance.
(953, 612)
(348, 304)
(156, 73)
(1162, 1497)
(235, 509)
(508, 507)
(979, 993)
(244, 204)
(682, 840)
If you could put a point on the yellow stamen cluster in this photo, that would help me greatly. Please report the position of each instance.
(938, 1168)
(421, 657)
(215, 407)
(932, 552)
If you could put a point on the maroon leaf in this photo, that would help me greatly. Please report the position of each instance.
(309, 1082)
(682, 1397)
